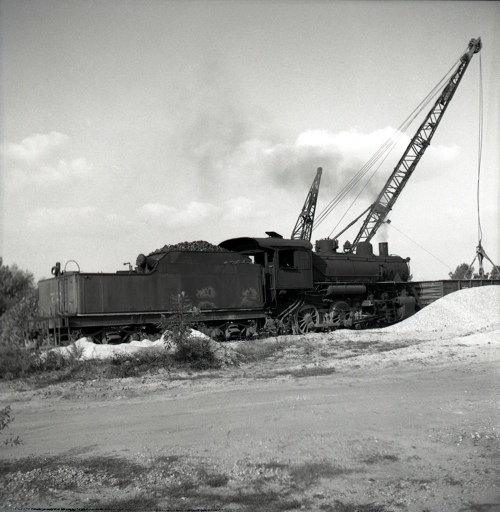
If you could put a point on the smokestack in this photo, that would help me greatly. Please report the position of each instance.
(383, 249)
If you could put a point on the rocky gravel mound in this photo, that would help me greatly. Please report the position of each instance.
(467, 310)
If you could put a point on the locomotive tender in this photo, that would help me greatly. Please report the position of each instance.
(242, 287)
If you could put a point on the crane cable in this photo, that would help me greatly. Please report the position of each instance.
(480, 150)
(390, 224)
(386, 147)
(480, 252)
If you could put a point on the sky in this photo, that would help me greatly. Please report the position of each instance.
(128, 125)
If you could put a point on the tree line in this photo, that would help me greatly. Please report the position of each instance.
(18, 303)
(465, 271)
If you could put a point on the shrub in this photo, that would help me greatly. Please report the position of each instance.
(14, 323)
(15, 361)
(196, 352)
(178, 325)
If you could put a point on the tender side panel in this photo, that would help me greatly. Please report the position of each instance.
(208, 284)
(59, 296)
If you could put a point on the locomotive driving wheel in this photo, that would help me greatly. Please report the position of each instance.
(339, 313)
(307, 318)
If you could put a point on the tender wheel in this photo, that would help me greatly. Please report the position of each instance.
(307, 318)
(339, 313)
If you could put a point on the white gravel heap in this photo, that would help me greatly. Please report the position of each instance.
(89, 350)
(468, 310)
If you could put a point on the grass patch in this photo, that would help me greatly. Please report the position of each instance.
(41, 369)
(267, 500)
(305, 475)
(258, 350)
(273, 465)
(313, 371)
(134, 503)
(158, 481)
(61, 473)
(338, 506)
(213, 479)
(380, 457)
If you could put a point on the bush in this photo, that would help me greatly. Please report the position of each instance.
(14, 323)
(15, 361)
(14, 284)
(197, 353)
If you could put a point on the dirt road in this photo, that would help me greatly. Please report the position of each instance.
(404, 419)
(415, 435)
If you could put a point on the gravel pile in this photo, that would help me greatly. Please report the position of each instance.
(467, 310)
(198, 245)
(86, 349)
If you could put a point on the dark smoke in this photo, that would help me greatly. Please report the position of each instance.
(221, 138)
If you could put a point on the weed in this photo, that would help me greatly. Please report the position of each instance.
(213, 479)
(5, 420)
(452, 481)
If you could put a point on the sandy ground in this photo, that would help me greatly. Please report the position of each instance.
(408, 416)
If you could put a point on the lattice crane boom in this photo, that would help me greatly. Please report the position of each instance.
(303, 227)
(414, 152)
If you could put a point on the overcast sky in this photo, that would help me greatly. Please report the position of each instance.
(127, 125)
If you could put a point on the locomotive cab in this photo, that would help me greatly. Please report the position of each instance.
(287, 263)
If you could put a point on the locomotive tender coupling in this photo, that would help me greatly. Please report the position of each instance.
(240, 288)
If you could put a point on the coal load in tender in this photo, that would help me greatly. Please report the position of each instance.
(198, 245)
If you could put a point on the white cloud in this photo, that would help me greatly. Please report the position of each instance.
(77, 221)
(60, 217)
(62, 170)
(43, 159)
(198, 214)
(241, 208)
(35, 148)
(194, 213)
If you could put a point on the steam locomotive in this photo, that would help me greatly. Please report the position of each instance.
(240, 288)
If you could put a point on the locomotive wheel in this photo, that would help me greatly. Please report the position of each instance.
(339, 313)
(307, 318)
(285, 325)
